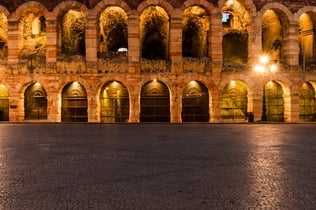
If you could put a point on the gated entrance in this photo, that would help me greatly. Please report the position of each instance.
(155, 102)
(74, 103)
(35, 102)
(114, 102)
(195, 103)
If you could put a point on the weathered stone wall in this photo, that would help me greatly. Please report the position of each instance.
(133, 71)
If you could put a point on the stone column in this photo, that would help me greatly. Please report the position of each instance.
(215, 108)
(215, 43)
(91, 39)
(51, 41)
(13, 41)
(133, 44)
(291, 45)
(134, 107)
(175, 49)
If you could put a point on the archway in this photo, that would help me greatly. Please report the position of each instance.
(154, 33)
(114, 102)
(195, 32)
(113, 26)
(195, 103)
(155, 102)
(307, 103)
(35, 102)
(273, 102)
(307, 39)
(4, 103)
(234, 101)
(74, 103)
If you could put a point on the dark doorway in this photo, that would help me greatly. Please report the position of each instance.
(35, 102)
(114, 103)
(155, 102)
(74, 103)
(195, 103)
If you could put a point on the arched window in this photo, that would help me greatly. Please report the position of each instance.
(35, 102)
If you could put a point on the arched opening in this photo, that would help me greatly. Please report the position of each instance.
(307, 39)
(195, 102)
(112, 32)
(4, 103)
(3, 36)
(273, 102)
(235, 47)
(72, 33)
(272, 35)
(307, 103)
(195, 32)
(74, 103)
(32, 30)
(235, 20)
(114, 103)
(154, 33)
(234, 101)
(35, 102)
(155, 102)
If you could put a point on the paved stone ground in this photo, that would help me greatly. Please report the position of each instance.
(157, 166)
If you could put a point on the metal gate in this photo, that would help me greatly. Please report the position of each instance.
(74, 103)
(234, 101)
(114, 103)
(307, 103)
(35, 103)
(4, 109)
(195, 103)
(274, 102)
(155, 103)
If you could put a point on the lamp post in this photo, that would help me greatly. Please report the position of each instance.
(264, 67)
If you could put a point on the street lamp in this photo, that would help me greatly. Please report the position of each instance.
(264, 67)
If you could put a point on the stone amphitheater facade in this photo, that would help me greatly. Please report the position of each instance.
(156, 61)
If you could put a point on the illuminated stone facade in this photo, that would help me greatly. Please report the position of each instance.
(156, 61)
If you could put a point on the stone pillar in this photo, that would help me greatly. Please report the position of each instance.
(215, 43)
(92, 108)
(215, 109)
(51, 41)
(291, 45)
(13, 41)
(257, 102)
(294, 108)
(53, 106)
(133, 44)
(176, 43)
(91, 39)
(14, 108)
(134, 107)
(175, 104)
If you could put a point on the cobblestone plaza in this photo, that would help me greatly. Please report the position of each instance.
(157, 166)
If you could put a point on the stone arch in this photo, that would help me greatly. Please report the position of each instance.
(4, 103)
(97, 10)
(31, 25)
(35, 102)
(155, 102)
(196, 24)
(248, 4)
(74, 103)
(74, 46)
(5, 11)
(195, 102)
(113, 34)
(114, 102)
(30, 4)
(306, 18)
(209, 7)
(279, 48)
(163, 4)
(234, 101)
(154, 27)
(307, 112)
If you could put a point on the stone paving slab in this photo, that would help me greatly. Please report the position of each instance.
(157, 166)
